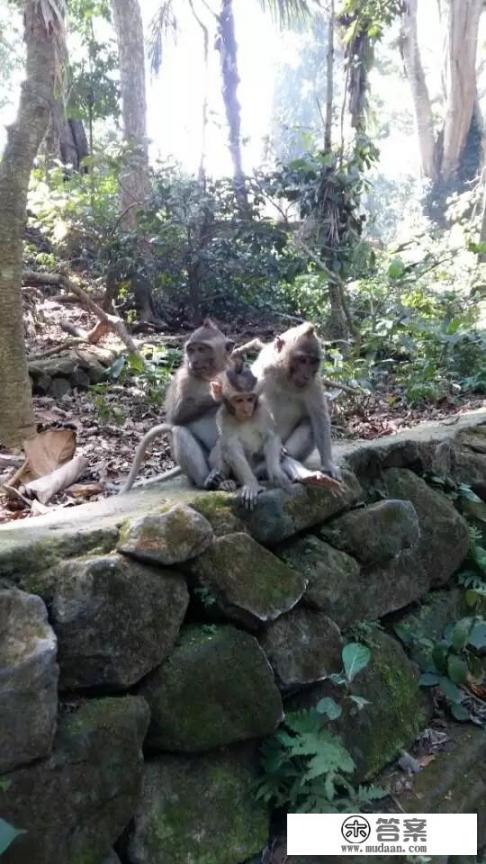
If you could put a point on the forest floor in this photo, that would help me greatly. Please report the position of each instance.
(110, 420)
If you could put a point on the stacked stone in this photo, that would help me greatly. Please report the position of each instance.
(141, 666)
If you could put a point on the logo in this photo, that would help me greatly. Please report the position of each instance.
(356, 829)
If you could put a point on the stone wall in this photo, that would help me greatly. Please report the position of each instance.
(149, 643)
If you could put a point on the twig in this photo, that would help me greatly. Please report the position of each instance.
(69, 343)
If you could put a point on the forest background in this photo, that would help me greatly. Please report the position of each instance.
(263, 163)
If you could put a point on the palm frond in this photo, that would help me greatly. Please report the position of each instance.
(163, 24)
(291, 12)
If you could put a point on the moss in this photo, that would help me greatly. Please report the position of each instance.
(219, 508)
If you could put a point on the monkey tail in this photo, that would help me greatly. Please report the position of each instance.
(140, 453)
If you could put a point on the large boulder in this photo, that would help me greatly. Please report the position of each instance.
(444, 537)
(249, 583)
(28, 679)
(201, 810)
(303, 647)
(75, 804)
(115, 619)
(278, 514)
(166, 538)
(338, 586)
(215, 688)
(397, 709)
(376, 533)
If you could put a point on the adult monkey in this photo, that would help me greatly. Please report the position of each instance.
(288, 371)
(190, 408)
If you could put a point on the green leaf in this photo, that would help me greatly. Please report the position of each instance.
(457, 669)
(329, 707)
(5, 785)
(355, 658)
(396, 269)
(360, 701)
(477, 636)
(459, 713)
(440, 653)
(429, 679)
(450, 691)
(7, 835)
(460, 633)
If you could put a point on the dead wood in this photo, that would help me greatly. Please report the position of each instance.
(44, 488)
(111, 322)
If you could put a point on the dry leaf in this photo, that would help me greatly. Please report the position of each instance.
(46, 452)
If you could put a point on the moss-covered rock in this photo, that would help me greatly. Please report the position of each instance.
(398, 709)
(219, 508)
(303, 647)
(28, 679)
(250, 584)
(166, 538)
(444, 538)
(426, 623)
(115, 619)
(376, 533)
(201, 810)
(215, 688)
(338, 586)
(75, 804)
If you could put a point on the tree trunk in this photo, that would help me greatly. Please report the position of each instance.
(329, 80)
(134, 178)
(420, 94)
(23, 141)
(461, 58)
(226, 45)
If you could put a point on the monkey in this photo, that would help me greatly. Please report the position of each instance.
(291, 388)
(246, 434)
(190, 408)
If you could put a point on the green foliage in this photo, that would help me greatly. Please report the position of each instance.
(473, 577)
(449, 662)
(7, 835)
(305, 765)
(367, 16)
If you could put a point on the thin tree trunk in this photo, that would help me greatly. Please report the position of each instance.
(420, 94)
(329, 80)
(462, 47)
(204, 112)
(134, 180)
(24, 139)
(226, 45)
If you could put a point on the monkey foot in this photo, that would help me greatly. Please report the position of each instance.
(322, 481)
(214, 480)
(227, 486)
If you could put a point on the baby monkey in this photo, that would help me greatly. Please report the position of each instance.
(246, 435)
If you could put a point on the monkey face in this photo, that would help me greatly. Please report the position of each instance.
(201, 359)
(303, 368)
(243, 406)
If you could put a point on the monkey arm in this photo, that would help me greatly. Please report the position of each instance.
(188, 409)
(321, 427)
(253, 345)
(234, 457)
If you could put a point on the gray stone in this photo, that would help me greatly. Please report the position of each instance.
(112, 858)
(249, 583)
(60, 387)
(80, 379)
(115, 619)
(75, 804)
(348, 593)
(444, 537)
(278, 514)
(28, 679)
(167, 538)
(376, 533)
(303, 647)
(398, 709)
(215, 688)
(201, 810)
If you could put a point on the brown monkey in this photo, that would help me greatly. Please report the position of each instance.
(190, 408)
(247, 434)
(287, 369)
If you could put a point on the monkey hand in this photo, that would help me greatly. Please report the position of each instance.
(250, 493)
(332, 470)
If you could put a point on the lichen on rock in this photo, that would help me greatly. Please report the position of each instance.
(216, 688)
(166, 538)
(376, 533)
(201, 810)
(303, 647)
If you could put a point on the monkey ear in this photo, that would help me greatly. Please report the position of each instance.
(279, 344)
(210, 324)
(309, 328)
(216, 389)
(229, 345)
(238, 363)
